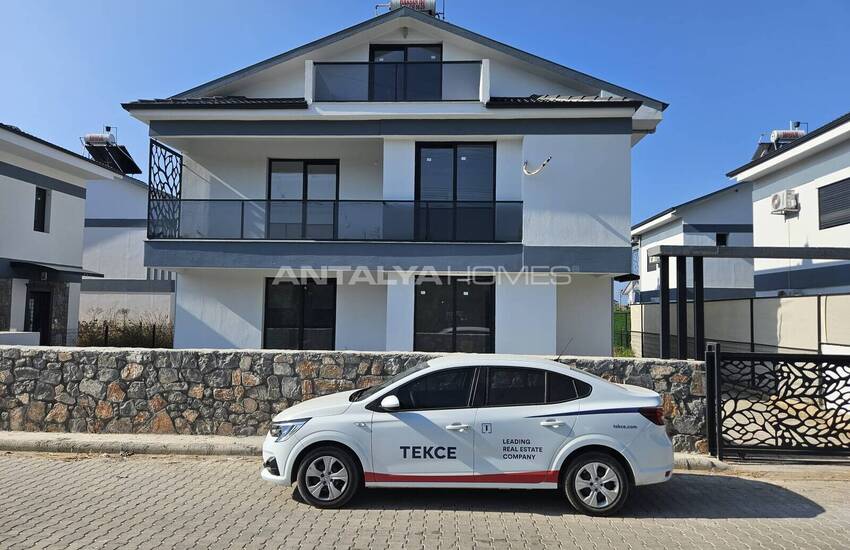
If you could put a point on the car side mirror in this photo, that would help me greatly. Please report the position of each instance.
(390, 403)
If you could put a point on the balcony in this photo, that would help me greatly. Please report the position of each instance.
(397, 81)
(342, 220)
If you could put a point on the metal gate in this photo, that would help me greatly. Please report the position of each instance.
(772, 404)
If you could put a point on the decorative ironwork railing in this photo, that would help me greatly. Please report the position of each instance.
(407, 81)
(165, 182)
(344, 220)
(781, 403)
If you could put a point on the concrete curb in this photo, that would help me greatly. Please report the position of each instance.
(204, 445)
(688, 461)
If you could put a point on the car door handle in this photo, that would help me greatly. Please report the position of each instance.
(457, 427)
(552, 423)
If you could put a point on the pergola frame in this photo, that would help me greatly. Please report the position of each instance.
(698, 253)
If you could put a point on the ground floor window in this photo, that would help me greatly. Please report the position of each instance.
(454, 314)
(300, 315)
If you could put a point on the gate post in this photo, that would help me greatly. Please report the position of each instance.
(711, 399)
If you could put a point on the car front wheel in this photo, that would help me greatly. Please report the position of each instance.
(328, 477)
(596, 484)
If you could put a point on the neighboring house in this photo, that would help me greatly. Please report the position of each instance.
(801, 197)
(115, 231)
(721, 218)
(42, 207)
(402, 152)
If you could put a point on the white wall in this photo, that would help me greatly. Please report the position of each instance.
(805, 178)
(61, 244)
(400, 301)
(583, 197)
(361, 317)
(238, 168)
(219, 309)
(115, 252)
(399, 169)
(526, 316)
(584, 316)
(730, 207)
(116, 199)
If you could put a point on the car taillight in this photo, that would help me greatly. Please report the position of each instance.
(653, 414)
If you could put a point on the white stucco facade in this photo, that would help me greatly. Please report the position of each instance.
(569, 214)
(805, 167)
(705, 221)
(42, 208)
(113, 246)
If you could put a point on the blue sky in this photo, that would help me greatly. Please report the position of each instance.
(730, 69)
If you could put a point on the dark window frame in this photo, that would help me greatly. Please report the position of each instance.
(269, 281)
(469, 399)
(846, 214)
(484, 379)
(453, 283)
(42, 211)
(405, 47)
(304, 190)
(721, 237)
(453, 145)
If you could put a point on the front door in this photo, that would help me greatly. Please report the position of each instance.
(526, 418)
(37, 315)
(430, 439)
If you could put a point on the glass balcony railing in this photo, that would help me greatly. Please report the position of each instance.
(409, 81)
(355, 220)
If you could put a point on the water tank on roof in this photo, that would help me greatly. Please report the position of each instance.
(425, 6)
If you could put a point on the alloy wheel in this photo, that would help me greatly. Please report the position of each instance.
(597, 485)
(326, 478)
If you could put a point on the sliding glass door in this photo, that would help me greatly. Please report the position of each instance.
(300, 316)
(456, 188)
(454, 314)
(303, 195)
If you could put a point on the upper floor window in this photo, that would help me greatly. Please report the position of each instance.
(42, 210)
(834, 204)
(398, 73)
(410, 73)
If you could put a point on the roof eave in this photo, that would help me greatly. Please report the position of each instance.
(440, 24)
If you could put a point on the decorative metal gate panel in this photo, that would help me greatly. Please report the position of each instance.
(778, 403)
(165, 182)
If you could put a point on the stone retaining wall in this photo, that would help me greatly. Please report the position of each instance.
(229, 392)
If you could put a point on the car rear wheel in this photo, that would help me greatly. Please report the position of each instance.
(596, 484)
(328, 477)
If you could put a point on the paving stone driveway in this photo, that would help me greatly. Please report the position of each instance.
(56, 501)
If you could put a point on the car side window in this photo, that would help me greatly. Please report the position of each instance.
(446, 389)
(562, 388)
(515, 386)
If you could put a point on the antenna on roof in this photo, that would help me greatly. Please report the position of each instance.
(428, 7)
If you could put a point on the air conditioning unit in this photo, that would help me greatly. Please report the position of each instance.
(784, 202)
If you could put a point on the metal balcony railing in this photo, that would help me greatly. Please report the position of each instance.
(345, 220)
(408, 81)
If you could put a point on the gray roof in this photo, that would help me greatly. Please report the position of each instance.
(218, 102)
(17, 131)
(785, 148)
(562, 101)
(537, 61)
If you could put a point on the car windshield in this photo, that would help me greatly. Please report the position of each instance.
(372, 390)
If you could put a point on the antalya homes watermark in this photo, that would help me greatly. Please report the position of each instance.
(395, 275)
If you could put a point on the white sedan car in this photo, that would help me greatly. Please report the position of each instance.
(475, 421)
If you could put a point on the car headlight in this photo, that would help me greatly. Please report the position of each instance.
(281, 430)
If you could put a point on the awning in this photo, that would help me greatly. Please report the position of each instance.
(627, 277)
(57, 268)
